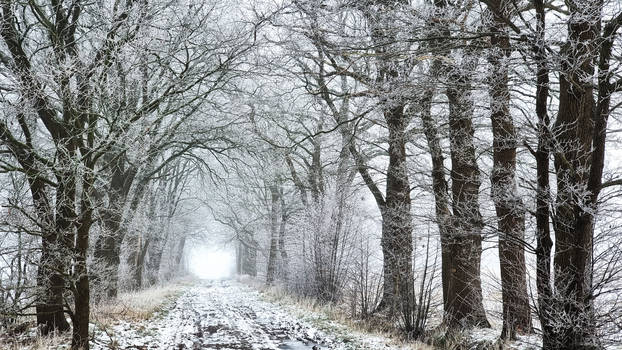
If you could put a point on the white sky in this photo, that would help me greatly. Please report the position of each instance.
(211, 263)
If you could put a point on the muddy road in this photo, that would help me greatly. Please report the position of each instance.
(220, 315)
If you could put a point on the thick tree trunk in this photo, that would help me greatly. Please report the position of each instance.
(439, 186)
(80, 338)
(573, 222)
(508, 205)
(107, 249)
(396, 241)
(63, 249)
(464, 291)
(460, 228)
(397, 220)
(51, 269)
(155, 252)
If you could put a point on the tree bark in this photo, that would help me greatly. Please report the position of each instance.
(80, 338)
(274, 218)
(107, 249)
(464, 291)
(249, 263)
(179, 254)
(51, 270)
(573, 222)
(284, 263)
(508, 205)
(444, 216)
(543, 195)
(154, 261)
(139, 263)
(397, 221)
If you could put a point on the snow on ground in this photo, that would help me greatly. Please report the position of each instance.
(225, 315)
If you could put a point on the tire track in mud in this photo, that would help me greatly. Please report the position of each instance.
(220, 315)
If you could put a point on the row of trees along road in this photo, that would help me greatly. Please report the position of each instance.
(106, 115)
(497, 114)
(364, 153)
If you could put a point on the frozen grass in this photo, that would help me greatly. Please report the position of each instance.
(137, 306)
(131, 307)
(335, 319)
(35, 342)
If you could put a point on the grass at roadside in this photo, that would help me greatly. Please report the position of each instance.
(138, 305)
(35, 342)
(131, 307)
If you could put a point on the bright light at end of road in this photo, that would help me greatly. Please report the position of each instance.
(211, 263)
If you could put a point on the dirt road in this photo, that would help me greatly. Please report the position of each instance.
(223, 315)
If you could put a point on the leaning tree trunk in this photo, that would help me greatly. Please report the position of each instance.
(508, 205)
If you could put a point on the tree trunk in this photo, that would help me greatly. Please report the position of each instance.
(239, 258)
(137, 249)
(139, 263)
(80, 338)
(284, 263)
(396, 241)
(179, 254)
(439, 185)
(465, 306)
(51, 269)
(508, 205)
(153, 263)
(543, 195)
(63, 247)
(397, 221)
(249, 263)
(274, 218)
(573, 222)
(107, 249)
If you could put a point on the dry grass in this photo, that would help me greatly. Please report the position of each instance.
(131, 307)
(26, 342)
(137, 306)
(329, 314)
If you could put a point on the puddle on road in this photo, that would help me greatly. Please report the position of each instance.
(297, 345)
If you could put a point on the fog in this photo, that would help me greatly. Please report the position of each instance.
(211, 263)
